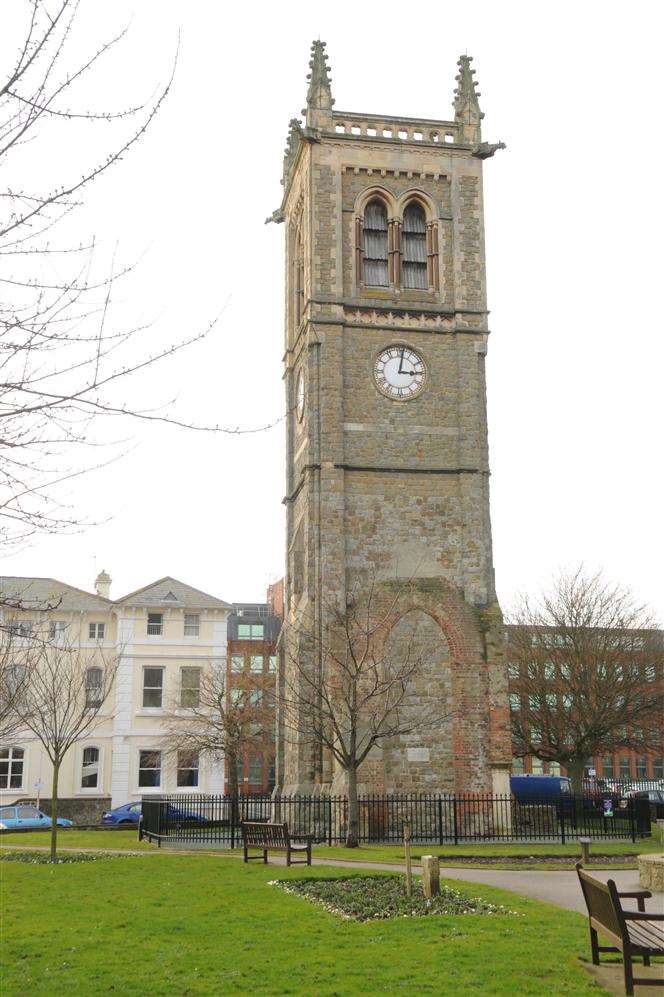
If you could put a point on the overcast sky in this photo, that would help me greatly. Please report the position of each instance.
(574, 261)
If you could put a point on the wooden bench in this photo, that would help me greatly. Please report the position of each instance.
(275, 837)
(634, 933)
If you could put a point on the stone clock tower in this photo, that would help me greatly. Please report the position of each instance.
(387, 472)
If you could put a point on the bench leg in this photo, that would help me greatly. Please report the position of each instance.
(646, 959)
(594, 947)
(629, 975)
(288, 856)
(309, 855)
(246, 857)
(265, 856)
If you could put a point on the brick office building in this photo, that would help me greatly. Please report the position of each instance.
(387, 465)
(253, 631)
(624, 764)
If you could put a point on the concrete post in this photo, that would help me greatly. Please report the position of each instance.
(585, 850)
(430, 876)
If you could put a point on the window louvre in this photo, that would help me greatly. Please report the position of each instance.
(414, 248)
(375, 244)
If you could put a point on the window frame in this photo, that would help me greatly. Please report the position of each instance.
(97, 630)
(90, 703)
(254, 659)
(10, 760)
(148, 768)
(183, 688)
(188, 768)
(196, 626)
(96, 788)
(151, 688)
(160, 625)
(255, 763)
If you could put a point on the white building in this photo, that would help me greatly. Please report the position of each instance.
(162, 636)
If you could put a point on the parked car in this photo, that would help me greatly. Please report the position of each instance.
(24, 816)
(128, 813)
(540, 788)
(655, 798)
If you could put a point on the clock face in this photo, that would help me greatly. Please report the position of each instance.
(399, 372)
(299, 395)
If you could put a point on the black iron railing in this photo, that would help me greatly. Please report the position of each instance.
(436, 818)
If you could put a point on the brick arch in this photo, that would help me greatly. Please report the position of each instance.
(468, 726)
(449, 631)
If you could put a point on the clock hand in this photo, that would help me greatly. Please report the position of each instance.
(400, 371)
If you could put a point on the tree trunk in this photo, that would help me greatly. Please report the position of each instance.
(233, 787)
(54, 811)
(575, 770)
(353, 828)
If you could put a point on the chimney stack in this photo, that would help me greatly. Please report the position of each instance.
(103, 585)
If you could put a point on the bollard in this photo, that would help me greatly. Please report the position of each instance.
(430, 876)
(585, 850)
(660, 826)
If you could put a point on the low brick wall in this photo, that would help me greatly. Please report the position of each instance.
(81, 811)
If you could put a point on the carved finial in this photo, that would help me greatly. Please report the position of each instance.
(319, 94)
(292, 145)
(466, 105)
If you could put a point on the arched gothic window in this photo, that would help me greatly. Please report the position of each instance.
(298, 279)
(374, 269)
(414, 247)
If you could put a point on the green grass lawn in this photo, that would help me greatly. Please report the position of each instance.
(367, 853)
(78, 839)
(395, 853)
(201, 925)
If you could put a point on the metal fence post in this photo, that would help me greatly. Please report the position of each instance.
(454, 814)
(561, 814)
(440, 820)
(632, 822)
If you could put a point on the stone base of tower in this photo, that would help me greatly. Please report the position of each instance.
(467, 749)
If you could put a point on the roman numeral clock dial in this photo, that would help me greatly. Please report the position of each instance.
(400, 373)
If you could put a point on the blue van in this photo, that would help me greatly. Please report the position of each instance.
(540, 788)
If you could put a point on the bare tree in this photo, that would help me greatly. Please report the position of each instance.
(222, 718)
(66, 357)
(586, 665)
(66, 689)
(354, 688)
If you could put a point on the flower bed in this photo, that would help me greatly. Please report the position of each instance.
(368, 898)
(44, 858)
